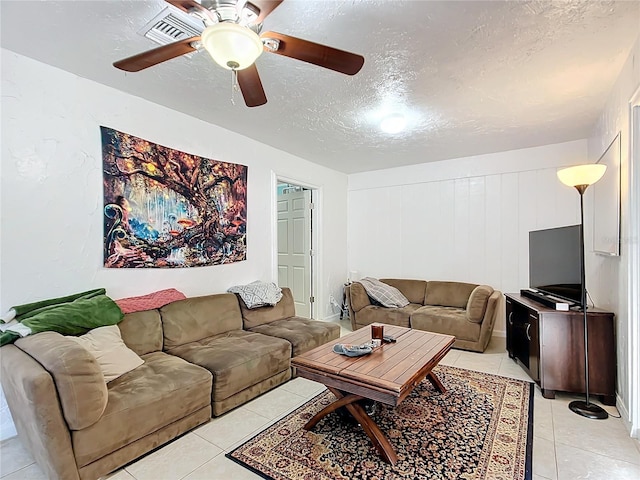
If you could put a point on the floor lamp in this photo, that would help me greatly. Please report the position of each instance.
(581, 177)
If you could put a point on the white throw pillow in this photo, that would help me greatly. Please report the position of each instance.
(258, 294)
(113, 356)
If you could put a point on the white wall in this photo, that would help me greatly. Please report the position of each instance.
(466, 219)
(608, 277)
(51, 192)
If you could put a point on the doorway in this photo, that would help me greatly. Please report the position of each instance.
(295, 244)
(634, 267)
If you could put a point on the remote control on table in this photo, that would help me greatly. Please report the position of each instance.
(388, 339)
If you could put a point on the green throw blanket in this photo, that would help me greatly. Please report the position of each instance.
(72, 315)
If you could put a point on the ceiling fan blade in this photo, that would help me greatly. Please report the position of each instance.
(266, 7)
(157, 55)
(190, 5)
(321, 55)
(251, 86)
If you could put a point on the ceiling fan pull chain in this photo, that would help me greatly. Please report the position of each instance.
(234, 85)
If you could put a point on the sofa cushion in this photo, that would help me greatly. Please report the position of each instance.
(384, 294)
(142, 331)
(477, 304)
(303, 334)
(161, 391)
(446, 320)
(389, 316)
(414, 290)
(76, 373)
(448, 294)
(237, 359)
(113, 356)
(252, 317)
(193, 319)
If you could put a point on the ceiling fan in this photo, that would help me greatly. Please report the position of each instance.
(232, 36)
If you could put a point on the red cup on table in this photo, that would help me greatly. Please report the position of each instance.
(377, 333)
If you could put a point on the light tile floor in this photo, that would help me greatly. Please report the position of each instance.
(565, 445)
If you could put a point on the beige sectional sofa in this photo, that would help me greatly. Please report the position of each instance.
(464, 310)
(202, 356)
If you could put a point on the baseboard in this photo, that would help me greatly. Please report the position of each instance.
(499, 333)
(332, 318)
(624, 416)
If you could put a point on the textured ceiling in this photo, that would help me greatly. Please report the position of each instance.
(471, 77)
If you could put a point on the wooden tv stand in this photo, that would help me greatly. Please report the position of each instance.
(549, 345)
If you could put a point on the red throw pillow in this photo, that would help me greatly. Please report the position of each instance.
(149, 302)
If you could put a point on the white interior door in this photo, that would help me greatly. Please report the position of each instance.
(294, 248)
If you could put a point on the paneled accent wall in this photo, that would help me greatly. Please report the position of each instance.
(470, 228)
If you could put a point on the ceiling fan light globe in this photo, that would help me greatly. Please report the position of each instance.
(230, 44)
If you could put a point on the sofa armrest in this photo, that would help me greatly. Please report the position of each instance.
(358, 299)
(37, 414)
(79, 381)
(489, 319)
(478, 303)
(492, 306)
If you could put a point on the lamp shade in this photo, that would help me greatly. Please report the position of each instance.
(232, 46)
(581, 174)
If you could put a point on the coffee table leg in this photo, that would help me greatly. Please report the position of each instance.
(341, 402)
(435, 381)
(349, 401)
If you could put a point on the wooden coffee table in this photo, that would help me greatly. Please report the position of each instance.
(387, 375)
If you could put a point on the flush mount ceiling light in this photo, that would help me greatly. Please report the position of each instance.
(394, 123)
(232, 46)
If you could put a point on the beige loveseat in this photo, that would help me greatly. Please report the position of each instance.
(199, 360)
(464, 310)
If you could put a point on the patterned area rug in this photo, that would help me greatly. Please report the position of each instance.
(481, 428)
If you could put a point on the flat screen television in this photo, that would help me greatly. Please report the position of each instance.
(554, 262)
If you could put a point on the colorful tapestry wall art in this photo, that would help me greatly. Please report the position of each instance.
(168, 209)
